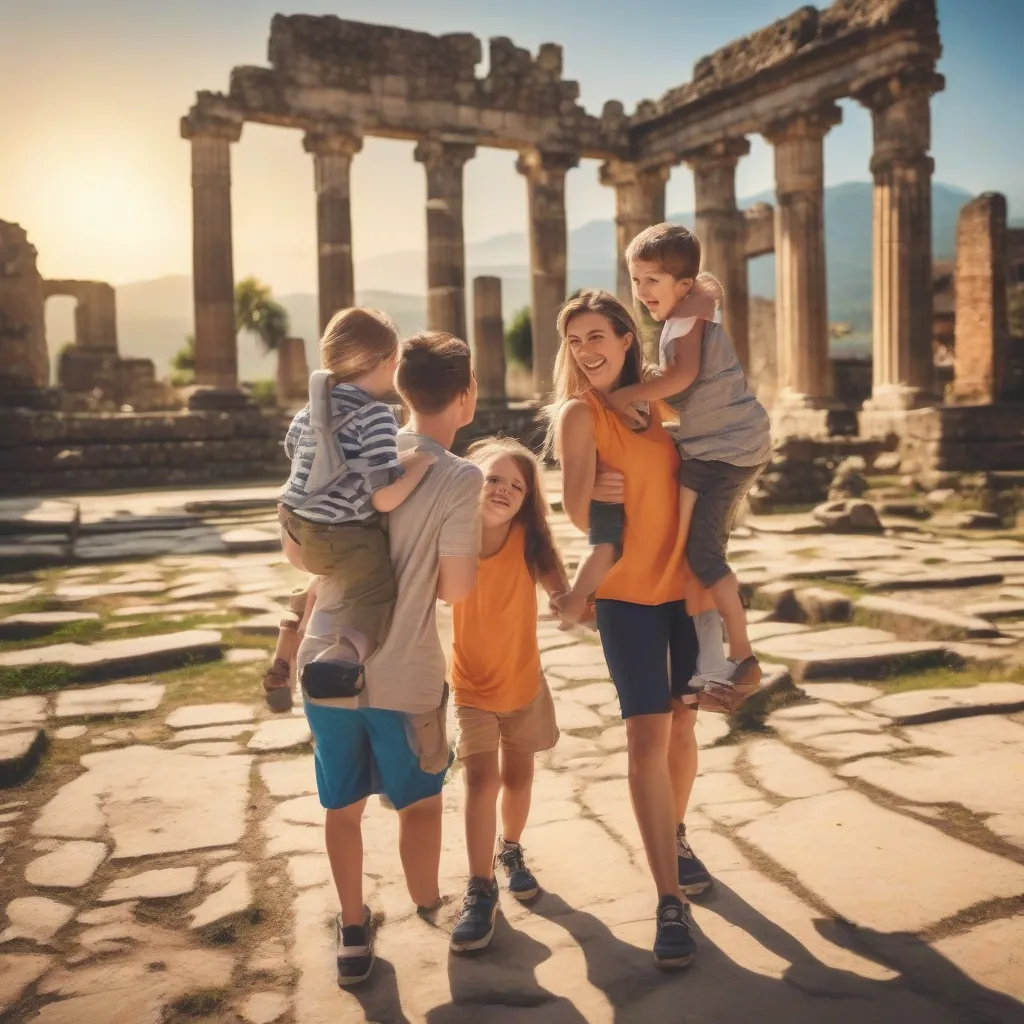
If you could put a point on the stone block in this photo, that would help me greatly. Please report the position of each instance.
(233, 895)
(21, 712)
(936, 621)
(199, 715)
(918, 706)
(848, 516)
(20, 754)
(160, 884)
(35, 624)
(278, 734)
(36, 919)
(109, 701)
(17, 972)
(70, 866)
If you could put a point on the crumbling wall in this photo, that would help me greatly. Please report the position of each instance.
(24, 363)
(95, 312)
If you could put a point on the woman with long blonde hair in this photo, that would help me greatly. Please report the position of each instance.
(503, 706)
(645, 601)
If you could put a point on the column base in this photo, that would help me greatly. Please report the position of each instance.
(884, 414)
(207, 399)
(796, 415)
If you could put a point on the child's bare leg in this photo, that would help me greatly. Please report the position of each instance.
(726, 595)
(592, 570)
(277, 689)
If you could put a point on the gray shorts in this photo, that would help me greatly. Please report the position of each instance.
(720, 488)
(606, 524)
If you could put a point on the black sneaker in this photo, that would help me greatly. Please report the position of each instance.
(355, 951)
(693, 876)
(521, 881)
(673, 943)
(479, 908)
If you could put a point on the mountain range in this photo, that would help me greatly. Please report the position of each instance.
(153, 317)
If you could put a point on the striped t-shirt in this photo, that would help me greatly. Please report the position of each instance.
(366, 434)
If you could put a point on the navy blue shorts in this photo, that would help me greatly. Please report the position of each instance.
(651, 652)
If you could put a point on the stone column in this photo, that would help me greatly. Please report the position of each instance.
(292, 382)
(488, 338)
(24, 363)
(903, 375)
(981, 373)
(213, 279)
(722, 233)
(545, 183)
(639, 203)
(801, 301)
(446, 248)
(332, 162)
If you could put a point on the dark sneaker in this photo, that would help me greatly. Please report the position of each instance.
(479, 908)
(673, 943)
(693, 876)
(355, 951)
(521, 881)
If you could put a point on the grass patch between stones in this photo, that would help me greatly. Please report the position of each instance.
(947, 677)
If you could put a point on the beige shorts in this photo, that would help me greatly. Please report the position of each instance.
(526, 730)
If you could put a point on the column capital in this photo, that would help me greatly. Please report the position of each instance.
(616, 173)
(910, 83)
(203, 124)
(812, 124)
(541, 165)
(438, 154)
(329, 142)
(720, 153)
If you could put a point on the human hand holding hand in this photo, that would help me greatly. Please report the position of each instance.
(621, 401)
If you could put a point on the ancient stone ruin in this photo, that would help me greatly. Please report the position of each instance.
(339, 81)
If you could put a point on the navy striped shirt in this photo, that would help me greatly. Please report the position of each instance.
(366, 433)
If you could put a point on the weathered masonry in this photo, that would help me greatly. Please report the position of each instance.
(339, 81)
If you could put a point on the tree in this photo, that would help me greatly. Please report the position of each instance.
(257, 313)
(519, 340)
(183, 364)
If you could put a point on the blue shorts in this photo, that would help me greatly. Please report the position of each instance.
(651, 651)
(360, 751)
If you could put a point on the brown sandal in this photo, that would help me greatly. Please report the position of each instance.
(728, 698)
(277, 686)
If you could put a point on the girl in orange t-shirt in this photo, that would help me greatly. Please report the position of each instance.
(503, 706)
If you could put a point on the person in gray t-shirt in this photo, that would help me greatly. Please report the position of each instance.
(390, 739)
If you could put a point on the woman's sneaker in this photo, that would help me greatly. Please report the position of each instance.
(355, 951)
(475, 927)
(694, 878)
(521, 881)
(673, 943)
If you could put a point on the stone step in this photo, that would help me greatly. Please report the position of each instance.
(917, 707)
(36, 624)
(996, 610)
(942, 623)
(20, 754)
(850, 652)
(111, 659)
(928, 579)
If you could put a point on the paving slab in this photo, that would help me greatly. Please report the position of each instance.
(295, 776)
(938, 621)
(36, 919)
(159, 884)
(877, 868)
(919, 706)
(195, 716)
(20, 712)
(29, 625)
(784, 773)
(573, 716)
(109, 701)
(134, 611)
(69, 866)
(264, 1007)
(153, 801)
(939, 577)
(109, 659)
(17, 972)
(70, 732)
(278, 734)
(976, 735)
(233, 895)
(20, 754)
(73, 593)
(996, 610)
(845, 745)
(991, 954)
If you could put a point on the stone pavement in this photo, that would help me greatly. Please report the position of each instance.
(161, 849)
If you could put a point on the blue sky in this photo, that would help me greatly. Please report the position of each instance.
(94, 169)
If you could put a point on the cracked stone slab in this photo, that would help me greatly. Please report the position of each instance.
(174, 608)
(841, 693)
(991, 955)
(213, 732)
(153, 801)
(951, 624)
(108, 659)
(35, 624)
(69, 866)
(280, 734)
(264, 1007)
(36, 919)
(877, 868)
(19, 712)
(295, 776)
(845, 745)
(109, 701)
(573, 716)
(916, 707)
(577, 663)
(17, 972)
(785, 773)
(71, 732)
(198, 715)
(234, 895)
(159, 884)
(20, 754)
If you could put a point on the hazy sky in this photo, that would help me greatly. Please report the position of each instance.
(91, 92)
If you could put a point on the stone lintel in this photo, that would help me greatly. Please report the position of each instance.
(201, 122)
(327, 141)
(544, 165)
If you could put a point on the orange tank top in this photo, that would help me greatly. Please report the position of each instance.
(653, 568)
(495, 657)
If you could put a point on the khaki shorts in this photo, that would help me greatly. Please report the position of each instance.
(526, 730)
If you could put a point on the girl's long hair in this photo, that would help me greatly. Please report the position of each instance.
(542, 556)
(569, 380)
